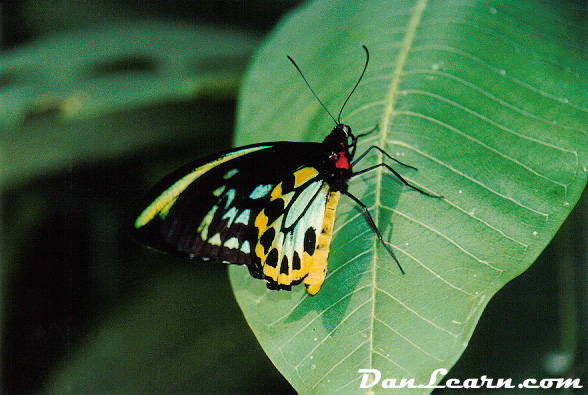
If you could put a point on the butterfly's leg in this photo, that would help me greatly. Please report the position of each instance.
(368, 132)
(408, 184)
(372, 225)
(383, 152)
(354, 143)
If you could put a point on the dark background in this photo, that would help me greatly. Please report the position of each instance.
(85, 308)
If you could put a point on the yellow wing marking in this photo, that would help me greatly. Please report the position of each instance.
(276, 192)
(261, 225)
(303, 175)
(164, 202)
(317, 263)
(295, 246)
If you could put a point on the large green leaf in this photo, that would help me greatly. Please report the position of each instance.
(488, 100)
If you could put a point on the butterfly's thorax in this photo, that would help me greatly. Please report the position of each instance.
(337, 158)
(269, 206)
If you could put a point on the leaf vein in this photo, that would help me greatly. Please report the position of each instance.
(486, 146)
(340, 362)
(453, 335)
(409, 341)
(470, 179)
(331, 332)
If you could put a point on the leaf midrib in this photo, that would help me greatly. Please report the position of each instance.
(389, 109)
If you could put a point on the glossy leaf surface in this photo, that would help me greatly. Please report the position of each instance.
(489, 102)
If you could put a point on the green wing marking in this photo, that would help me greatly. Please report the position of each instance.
(164, 202)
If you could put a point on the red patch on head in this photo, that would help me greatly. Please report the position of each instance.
(342, 162)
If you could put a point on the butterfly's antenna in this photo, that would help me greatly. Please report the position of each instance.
(309, 87)
(367, 60)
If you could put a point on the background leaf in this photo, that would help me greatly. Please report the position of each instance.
(84, 307)
(489, 102)
(55, 89)
(79, 313)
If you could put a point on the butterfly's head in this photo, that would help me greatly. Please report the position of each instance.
(340, 136)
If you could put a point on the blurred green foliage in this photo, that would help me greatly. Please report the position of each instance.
(99, 100)
(98, 103)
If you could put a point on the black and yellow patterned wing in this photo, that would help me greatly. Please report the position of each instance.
(269, 206)
(266, 206)
(294, 231)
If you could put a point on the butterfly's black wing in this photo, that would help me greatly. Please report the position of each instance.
(245, 206)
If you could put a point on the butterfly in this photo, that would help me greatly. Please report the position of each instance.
(269, 206)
